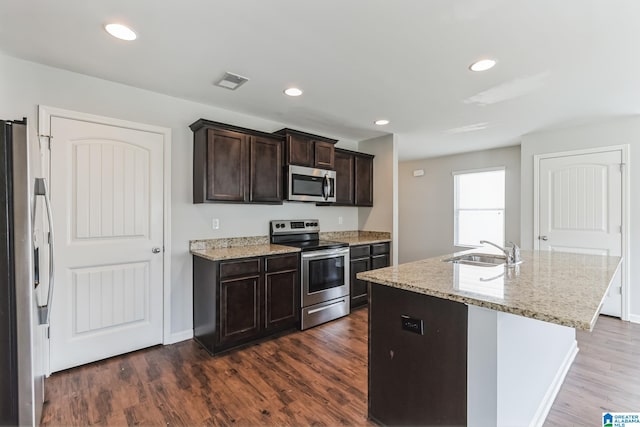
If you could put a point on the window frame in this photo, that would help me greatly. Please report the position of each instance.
(456, 209)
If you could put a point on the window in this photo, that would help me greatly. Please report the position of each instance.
(478, 207)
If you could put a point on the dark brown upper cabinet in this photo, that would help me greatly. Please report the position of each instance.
(354, 178)
(345, 164)
(364, 180)
(305, 149)
(233, 164)
(265, 172)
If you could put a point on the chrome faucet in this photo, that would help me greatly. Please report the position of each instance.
(512, 254)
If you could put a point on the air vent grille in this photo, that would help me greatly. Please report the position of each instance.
(231, 81)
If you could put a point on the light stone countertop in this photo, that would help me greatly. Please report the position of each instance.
(245, 247)
(218, 254)
(354, 238)
(563, 288)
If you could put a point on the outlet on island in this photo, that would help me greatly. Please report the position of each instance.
(215, 224)
(339, 220)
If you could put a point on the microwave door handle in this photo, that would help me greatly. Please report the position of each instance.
(326, 189)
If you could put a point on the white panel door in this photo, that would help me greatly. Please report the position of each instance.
(581, 209)
(107, 199)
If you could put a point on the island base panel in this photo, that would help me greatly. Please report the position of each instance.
(417, 359)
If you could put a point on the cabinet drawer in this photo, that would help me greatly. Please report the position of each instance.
(359, 251)
(244, 267)
(380, 248)
(281, 263)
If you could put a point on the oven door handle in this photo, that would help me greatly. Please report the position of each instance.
(326, 307)
(329, 253)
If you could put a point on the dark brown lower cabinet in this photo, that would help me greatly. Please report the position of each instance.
(239, 309)
(282, 290)
(417, 359)
(365, 258)
(239, 301)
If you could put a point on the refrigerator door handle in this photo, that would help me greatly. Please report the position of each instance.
(41, 189)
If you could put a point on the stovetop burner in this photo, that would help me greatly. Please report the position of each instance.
(313, 245)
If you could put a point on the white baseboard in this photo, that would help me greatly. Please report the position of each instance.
(634, 318)
(179, 336)
(545, 406)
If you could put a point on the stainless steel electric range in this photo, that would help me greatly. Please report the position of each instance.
(324, 270)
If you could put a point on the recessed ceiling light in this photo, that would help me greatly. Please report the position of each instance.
(482, 65)
(293, 91)
(381, 122)
(120, 31)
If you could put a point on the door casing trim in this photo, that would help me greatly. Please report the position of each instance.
(45, 113)
(626, 209)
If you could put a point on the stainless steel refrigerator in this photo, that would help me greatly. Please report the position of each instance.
(23, 318)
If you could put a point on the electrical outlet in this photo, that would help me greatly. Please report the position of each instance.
(215, 224)
(339, 220)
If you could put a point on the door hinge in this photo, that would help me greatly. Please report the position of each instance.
(49, 137)
(49, 238)
(48, 332)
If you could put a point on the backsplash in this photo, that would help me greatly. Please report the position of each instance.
(230, 242)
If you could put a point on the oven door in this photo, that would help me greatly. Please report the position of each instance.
(311, 185)
(325, 275)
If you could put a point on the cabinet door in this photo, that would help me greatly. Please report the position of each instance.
(282, 308)
(227, 157)
(344, 178)
(299, 151)
(265, 171)
(380, 261)
(324, 155)
(239, 309)
(359, 288)
(364, 181)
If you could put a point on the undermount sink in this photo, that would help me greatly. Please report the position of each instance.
(482, 260)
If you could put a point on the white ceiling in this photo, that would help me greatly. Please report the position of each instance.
(559, 61)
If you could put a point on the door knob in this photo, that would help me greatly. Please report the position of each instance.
(155, 250)
(545, 238)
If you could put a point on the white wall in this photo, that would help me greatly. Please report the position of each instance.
(24, 85)
(619, 131)
(426, 202)
(383, 216)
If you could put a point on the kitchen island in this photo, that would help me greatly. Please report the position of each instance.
(478, 345)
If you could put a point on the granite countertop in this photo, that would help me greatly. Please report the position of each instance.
(246, 247)
(563, 288)
(354, 238)
(218, 254)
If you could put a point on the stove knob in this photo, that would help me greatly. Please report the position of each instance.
(315, 224)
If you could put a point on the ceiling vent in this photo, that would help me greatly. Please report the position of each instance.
(231, 81)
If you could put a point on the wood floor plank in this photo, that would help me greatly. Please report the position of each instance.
(316, 377)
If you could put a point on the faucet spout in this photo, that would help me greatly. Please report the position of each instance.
(512, 254)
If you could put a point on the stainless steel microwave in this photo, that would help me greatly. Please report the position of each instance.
(310, 184)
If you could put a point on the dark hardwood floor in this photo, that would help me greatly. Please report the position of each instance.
(316, 377)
